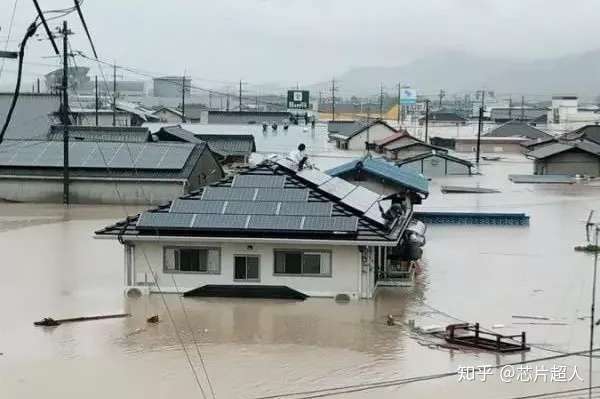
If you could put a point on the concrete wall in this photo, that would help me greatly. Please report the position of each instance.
(345, 268)
(513, 148)
(435, 166)
(104, 119)
(35, 189)
(569, 163)
(375, 133)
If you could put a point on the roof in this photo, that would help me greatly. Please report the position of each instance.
(394, 147)
(32, 115)
(271, 201)
(100, 159)
(588, 132)
(145, 114)
(493, 139)
(534, 143)
(517, 129)
(379, 167)
(168, 109)
(435, 153)
(244, 118)
(224, 144)
(437, 116)
(102, 133)
(393, 137)
(347, 129)
(557, 148)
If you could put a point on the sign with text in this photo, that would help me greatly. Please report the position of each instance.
(408, 96)
(298, 99)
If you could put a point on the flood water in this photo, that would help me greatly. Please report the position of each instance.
(252, 348)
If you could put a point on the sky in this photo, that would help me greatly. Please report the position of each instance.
(291, 41)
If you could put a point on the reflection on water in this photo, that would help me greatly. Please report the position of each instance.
(53, 267)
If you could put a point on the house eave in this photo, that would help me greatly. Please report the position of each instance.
(191, 239)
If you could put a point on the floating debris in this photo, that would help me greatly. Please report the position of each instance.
(553, 323)
(50, 322)
(153, 319)
(530, 317)
(587, 248)
(470, 335)
(468, 190)
(390, 320)
(491, 158)
(548, 179)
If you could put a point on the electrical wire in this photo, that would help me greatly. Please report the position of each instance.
(10, 26)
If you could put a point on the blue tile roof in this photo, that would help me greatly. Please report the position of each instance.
(379, 167)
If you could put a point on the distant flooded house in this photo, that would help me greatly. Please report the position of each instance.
(383, 177)
(231, 147)
(437, 164)
(518, 129)
(271, 231)
(443, 118)
(118, 169)
(567, 158)
(353, 135)
(401, 146)
(490, 144)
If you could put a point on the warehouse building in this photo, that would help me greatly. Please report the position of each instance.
(104, 172)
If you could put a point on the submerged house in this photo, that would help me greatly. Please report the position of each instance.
(271, 231)
(403, 145)
(517, 129)
(232, 148)
(443, 118)
(437, 164)
(567, 158)
(353, 135)
(383, 177)
(104, 172)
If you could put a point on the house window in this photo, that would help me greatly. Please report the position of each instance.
(246, 267)
(192, 260)
(301, 263)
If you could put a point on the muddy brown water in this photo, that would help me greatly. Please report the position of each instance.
(51, 266)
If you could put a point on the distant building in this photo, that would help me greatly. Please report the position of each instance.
(525, 114)
(403, 145)
(247, 117)
(517, 129)
(104, 172)
(436, 164)
(170, 86)
(87, 117)
(196, 113)
(565, 109)
(490, 144)
(383, 177)
(352, 135)
(443, 118)
(232, 148)
(77, 77)
(116, 134)
(169, 115)
(567, 158)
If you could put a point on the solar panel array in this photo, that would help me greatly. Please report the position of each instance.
(267, 181)
(296, 208)
(86, 154)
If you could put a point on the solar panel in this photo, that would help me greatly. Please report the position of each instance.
(337, 187)
(228, 193)
(263, 222)
(211, 221)
(251, 208)
(287, 163)
(361, 199)
(282, 194)
(196, 206)
(305, 208)
(314, 176)
(174, 157)
(375, 214)
(149, 220)
(126, 156)
(258, 181)
(336, 223)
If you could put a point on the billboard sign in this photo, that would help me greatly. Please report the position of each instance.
(298, 99)
(408, 96)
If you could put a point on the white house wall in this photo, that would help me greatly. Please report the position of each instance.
(90, 192)
(435, 166)
(375, 133)
(345, 269)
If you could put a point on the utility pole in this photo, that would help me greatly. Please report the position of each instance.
(227, 102)
(183, 98)
(38, 85)
(333, 89)
(426, 120)
(114, 123)
(399, 103)
(479, 128)
(509, 108)
(240, 96)
(96, 95)
(65, 114)
(522, 108)
(319, 103)
(381, 101)
(592, 227)
(441, 95)
(209, 100)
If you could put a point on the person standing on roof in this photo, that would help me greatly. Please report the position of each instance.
(299, 156)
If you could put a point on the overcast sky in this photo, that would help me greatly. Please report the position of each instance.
(304, 41)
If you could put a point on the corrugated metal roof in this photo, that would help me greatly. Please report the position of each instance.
(32, 115)
(379, 167)
(102, 133)
(517, 129)
(224, 144)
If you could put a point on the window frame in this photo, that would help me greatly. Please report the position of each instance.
(252, 280)
(180, 247)
(303, 251)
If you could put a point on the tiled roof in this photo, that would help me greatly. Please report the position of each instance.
(517, 129)
(260, 221)
(379, 167)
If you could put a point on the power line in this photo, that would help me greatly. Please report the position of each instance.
(10, 26)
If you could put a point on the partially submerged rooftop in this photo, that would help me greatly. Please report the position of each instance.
(345, 130)
(518, 129)
(273, 201)
(129, 134)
